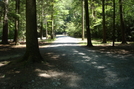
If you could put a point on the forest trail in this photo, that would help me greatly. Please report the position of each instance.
(77, 67)
(68, 66)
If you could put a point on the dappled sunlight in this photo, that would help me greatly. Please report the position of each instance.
(111, 78)
(4, 63)
(95, 60)
(100, 67)
(44, 75)
(71, 66)
(72, 79)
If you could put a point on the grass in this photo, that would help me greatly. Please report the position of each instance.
(48, 40)
(97, 42)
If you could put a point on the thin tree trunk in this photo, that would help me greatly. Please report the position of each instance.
(52, 29)
(17, 22)
(1, 9)
(122, 23)
(89, 43)
(83, 20)
(41, 30)
(113, 23)
(5, 24)
(46, 31)
(104, 27)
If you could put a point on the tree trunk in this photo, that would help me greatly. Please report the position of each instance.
(52, 29)
(41, 31)
(5, 24)
(52, 18)
(46, 31)
(17, 22)
(113, 23)
(41, 19)
(83, 20)
(104, 27)
(32, 53)
(89, 43)
(1, 14)
(122, 23)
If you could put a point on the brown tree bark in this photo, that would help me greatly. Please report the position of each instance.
(41, 30)
(113, 23)
(17, 22)
(41, 19)
(104, 26)
(52, 18)
(122, 23)
(5, 24)
(32, 53)
(89, 43)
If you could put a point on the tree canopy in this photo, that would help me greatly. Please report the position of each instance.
(107, 19)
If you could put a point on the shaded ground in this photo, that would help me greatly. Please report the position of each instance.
(69, 66)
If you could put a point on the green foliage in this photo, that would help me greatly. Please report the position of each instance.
(13, 15)
(67, 15)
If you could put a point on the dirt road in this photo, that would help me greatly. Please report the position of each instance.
(70, 66)
(79, 67)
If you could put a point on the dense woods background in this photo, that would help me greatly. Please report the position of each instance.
(108, 19)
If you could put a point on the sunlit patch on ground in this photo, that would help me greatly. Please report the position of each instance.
(72, 79)
(3, 63)
(69, 66)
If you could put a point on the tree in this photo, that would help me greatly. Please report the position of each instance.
(17, 10)
(83, 20)
(5, 23)
(104, 27)
(89, 43)
(122, 22)
(52, 18)
(40, 16)
(41, 29)
(32, 53)
(113, 22)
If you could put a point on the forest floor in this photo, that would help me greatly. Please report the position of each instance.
(69, 66)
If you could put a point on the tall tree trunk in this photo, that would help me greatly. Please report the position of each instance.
(113, 23)
(41, 29)
(122, 23)
(32, 53)
(83, 20)
(17, 22)
(5, 24)
(1, 9)
(52, 18)
(89, 43)
(52, 29)
(104, 26)
(46, 31)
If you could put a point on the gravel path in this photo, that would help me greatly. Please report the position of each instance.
(76, 67)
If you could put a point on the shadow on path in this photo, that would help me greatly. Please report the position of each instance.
(90, 69)
(71, 66)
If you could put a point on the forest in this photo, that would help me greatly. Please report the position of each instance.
(108, 20)
(29, 20)
(89, 44)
